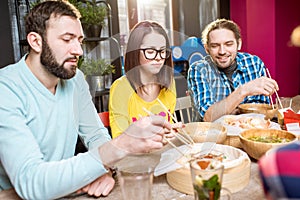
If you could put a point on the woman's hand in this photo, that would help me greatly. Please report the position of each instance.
(170, 134)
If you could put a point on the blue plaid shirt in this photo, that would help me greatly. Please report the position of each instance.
(208, 85)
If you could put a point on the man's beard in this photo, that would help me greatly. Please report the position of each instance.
(222, 66)
(52, 66)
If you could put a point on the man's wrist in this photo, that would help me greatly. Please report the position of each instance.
(242, 91)
(111, 154)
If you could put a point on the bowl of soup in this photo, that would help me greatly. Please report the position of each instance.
(256, 142)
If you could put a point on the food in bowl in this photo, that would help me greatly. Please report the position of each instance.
(216, 156)
(205, 164)
(246, 122)
(228, 155)
(254, 107)
(269, 139)
(265, 109)
(256, 149)
(196, 153)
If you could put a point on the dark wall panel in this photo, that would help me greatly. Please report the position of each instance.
(6, 50)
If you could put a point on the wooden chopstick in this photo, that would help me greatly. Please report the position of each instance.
(277, 96)
(182, 139)
(271, 102)
(174, 146)
(175, 120)
(166, 139)
(178, 136)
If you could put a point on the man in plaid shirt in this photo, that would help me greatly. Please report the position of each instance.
(226, 78)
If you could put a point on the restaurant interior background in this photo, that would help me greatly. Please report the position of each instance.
(266, 26)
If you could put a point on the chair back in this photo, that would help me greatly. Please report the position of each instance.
(183, 108)
(104, 116)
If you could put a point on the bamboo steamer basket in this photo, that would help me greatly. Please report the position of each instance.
(206, 132)
(257, 149)
(235, 177)
(233, 140)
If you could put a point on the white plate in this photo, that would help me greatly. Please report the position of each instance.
(168, 161)
(235, 131)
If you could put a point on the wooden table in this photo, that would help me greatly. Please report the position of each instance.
(162, 191)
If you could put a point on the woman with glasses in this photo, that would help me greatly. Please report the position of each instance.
(148, 81)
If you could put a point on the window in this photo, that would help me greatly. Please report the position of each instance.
(133, 11)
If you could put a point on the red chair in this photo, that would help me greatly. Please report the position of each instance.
(104, 116)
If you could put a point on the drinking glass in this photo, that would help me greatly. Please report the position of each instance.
(136, 185)
(207, 177)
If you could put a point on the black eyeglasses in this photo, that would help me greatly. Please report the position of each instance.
(150, 53)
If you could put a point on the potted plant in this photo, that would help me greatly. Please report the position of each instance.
(93, 15)
(97, 71)
(34, 3)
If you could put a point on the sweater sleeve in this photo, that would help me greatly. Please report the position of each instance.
(91, 128)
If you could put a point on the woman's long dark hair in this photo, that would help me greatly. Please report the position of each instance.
(139, 31)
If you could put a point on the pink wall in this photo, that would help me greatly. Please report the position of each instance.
(287, 57)
(266, 26)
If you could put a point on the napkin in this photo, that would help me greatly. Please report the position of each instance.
(292, 121)
(291, 117)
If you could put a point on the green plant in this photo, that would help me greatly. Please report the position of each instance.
(32, 4)
(98, 67)
(92, 12)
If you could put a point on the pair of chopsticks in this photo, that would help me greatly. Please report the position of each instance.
(166, 139)
(184, 140)
(277, 96)
(188, 140)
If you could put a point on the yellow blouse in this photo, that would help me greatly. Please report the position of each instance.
(125, 106)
